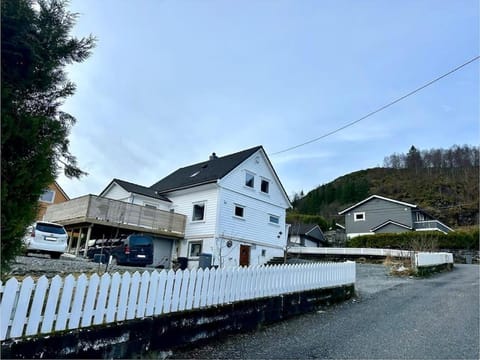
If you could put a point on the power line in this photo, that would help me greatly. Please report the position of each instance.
(379, 109)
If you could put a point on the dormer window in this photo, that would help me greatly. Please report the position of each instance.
(249, 180)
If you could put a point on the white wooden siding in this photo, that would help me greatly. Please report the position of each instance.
(255, 225)
(256, 164)
(183, 203)
(116, 192)
(141, 200)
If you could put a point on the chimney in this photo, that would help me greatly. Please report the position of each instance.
(213, 156)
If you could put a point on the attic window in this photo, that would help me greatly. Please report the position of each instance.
(264, 186)
(359, 216)
(249, 180)
(195, 174)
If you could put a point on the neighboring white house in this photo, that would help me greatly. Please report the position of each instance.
(235, 207)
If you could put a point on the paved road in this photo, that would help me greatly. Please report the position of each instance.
(434, 318)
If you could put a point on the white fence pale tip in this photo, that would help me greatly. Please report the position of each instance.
(73, 303)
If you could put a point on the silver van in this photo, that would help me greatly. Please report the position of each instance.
(47, 238)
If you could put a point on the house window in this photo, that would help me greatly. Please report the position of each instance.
(359, 216)
(195, 249)
(48, 196)
(264, 186)
(149, 206)
(239, 211)
(249, 180)
(274, 219)
(264, 252)
(198, 212)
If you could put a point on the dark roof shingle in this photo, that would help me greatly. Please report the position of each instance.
(204, 172)
(141, 190)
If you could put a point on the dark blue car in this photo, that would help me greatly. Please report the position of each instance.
(133, 250)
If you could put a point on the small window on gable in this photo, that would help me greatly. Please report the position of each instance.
(48, 196)
(359, 216)
(249, 180)
(198, 212)
(264, 187)
(274, 219)
(239, 211)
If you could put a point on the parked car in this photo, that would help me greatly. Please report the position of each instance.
(135, 249)
(45, 237)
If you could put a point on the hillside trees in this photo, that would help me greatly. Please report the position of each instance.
(456, 157)
(36, 47)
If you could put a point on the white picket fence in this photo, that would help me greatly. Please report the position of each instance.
(350, 251)
(418, 258)
(39, 307)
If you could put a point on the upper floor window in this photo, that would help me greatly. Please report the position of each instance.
(264, 186)
(359, 216)
(48, 196)
(249, 180)
(149, 206)
(198, 212)
(239, 211)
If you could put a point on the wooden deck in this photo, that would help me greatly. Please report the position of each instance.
(91, 209)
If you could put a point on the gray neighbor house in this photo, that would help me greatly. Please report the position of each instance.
(378, 214)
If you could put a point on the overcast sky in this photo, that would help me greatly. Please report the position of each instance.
(170, 82)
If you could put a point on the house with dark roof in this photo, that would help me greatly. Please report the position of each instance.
(310, 235)
(235, 208)
(378, 214)
(227, 211)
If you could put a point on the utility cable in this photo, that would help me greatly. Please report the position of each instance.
(379, 109)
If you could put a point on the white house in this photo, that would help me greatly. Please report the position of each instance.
(235, 207)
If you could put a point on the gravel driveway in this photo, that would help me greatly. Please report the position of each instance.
(37, 265)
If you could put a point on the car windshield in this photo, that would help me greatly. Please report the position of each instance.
(140, 241)
(51, 228)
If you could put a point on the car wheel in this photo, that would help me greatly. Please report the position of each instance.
(55, 255)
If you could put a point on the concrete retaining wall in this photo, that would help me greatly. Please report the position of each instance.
(146, 337)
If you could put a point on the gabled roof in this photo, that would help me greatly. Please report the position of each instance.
(306, 230)
(390, 222)
(61, 190)
(377, 197)
(204, 172)
(136, 189)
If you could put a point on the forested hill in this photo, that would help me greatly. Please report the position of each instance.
(447, 187)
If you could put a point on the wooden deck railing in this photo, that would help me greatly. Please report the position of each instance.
(95, 209)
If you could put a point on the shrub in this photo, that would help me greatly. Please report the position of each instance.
(419, 240)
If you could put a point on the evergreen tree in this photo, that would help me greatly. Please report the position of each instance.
(414, 159)
(36, 47)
